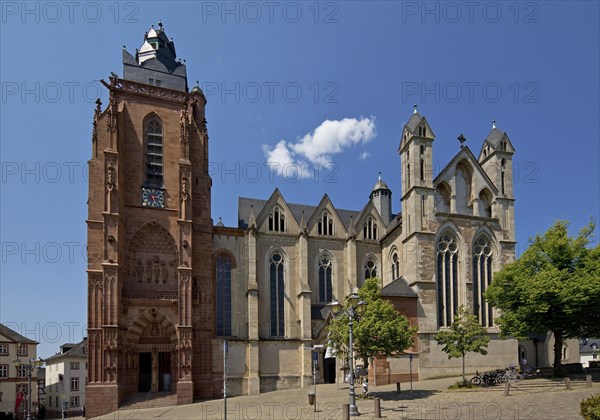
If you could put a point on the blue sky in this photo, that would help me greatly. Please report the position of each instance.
(277, 71)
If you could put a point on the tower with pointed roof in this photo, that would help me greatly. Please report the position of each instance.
(149, 235)
(381, 195)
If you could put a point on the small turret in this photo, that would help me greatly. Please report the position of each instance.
(381, 196)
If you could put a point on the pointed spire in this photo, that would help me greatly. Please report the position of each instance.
(493, 124)
(379, 178)
(414, 108)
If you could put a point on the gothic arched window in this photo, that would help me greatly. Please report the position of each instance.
(325, 279)
(223, 280)
(482, 278)
(277, 220)
(325, 225)
(276, 276)
(447, 278)
(370, 229)
(153, 134)
(370, 269)
(395, 266)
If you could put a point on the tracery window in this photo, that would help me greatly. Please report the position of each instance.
(370, 229)
(277, 220)
(154, 151)
(395, 266)
(482, 278)
(325, 225)
(223, 278)
(447, 278)
(277, 273)
(325, 279)
(370, 269)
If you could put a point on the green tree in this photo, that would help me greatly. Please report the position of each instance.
(465, 335)
(380, 330)
(554, 286)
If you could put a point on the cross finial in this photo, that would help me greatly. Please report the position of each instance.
(493, 124)
(461, 139)
(414, 108)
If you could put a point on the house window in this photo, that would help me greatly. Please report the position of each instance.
(223, 276)
(3, 371)
(325, 280)
(22, 350)
(21, 371)
(75, 384)
(4, 349)
(74, 400)
(276, 270)
(154, 151)
(395, 266)
(370, 269)
(74, 365)
(447, 279)
(57, 402)
(277, 220)
(370, 229)
(325, 225)
(482, 278)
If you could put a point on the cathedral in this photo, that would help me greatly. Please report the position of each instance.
(166, 286)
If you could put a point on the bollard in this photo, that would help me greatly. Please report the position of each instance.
(377, 403)
(568, 383)
(588, 381)
(397, 386)
(346, 411)
(506, 389)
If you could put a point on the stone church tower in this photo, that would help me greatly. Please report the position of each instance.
(150, 289)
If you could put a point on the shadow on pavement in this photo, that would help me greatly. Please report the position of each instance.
(404, 395)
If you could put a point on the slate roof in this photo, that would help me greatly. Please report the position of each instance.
(244, 211)
(413, 122)
(494, 137)
(76, 351)
(244, 203)
(398, 288)
(15, 336)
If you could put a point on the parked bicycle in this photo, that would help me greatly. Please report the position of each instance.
(487, 378)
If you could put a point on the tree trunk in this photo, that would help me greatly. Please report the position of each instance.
(463, 363)
(558, 345)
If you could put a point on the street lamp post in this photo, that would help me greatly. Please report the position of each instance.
(355, 309)
(30, 365)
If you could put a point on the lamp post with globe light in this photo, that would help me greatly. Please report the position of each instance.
(30, 365)
(354, 310)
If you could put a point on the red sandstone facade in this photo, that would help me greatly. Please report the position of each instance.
(150, 289)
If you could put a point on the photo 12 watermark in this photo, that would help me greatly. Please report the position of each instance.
(452, 92)
(34, 12)
(470, 12)
(272, 92)
(36, 92)
(252, 12)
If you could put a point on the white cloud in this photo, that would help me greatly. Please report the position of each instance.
(364, 155)
(316, 148)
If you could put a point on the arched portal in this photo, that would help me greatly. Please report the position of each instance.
(151, 356)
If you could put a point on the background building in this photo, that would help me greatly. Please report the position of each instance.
(66, 377)
(166, 287)
(12, 378)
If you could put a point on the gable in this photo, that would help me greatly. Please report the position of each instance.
(339, 230)
(277, 200)
(479, 179)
